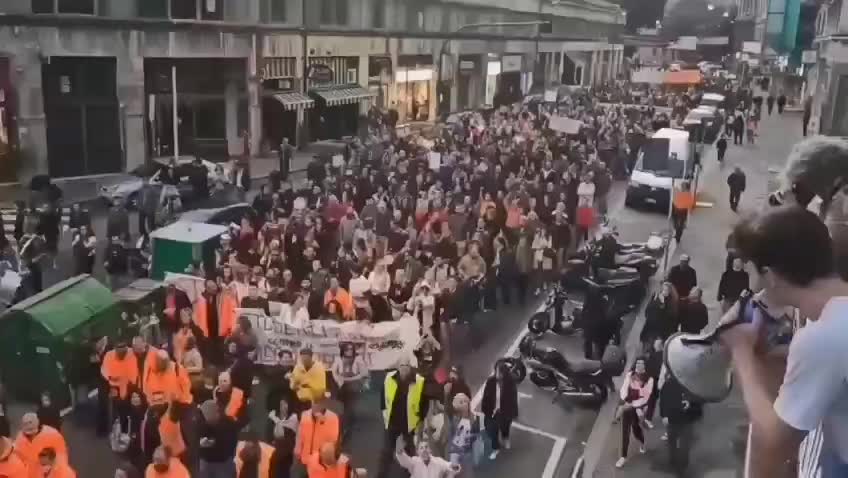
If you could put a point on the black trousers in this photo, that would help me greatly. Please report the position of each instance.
(679, 443)
(737, 136)
(387, 454)
(806, 123)
(735, 196)
(505, 285)
(630, 422)
(721, 153)
(521, 286)
(497, 427)
(679, 217)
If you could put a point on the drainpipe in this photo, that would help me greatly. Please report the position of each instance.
(301, 120)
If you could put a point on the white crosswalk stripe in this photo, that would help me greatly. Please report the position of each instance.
(9, 215)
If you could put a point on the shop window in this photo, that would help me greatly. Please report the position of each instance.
(184, 9)
(79, 7)
(210, 119)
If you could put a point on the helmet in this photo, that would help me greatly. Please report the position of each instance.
(538, 324)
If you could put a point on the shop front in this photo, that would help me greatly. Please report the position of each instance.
(415, 86)
(380, 80)
(211, 107)
(468, 87)
(511, 84)
(283, 105)
(332, 83)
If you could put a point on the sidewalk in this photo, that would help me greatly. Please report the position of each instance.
(720, 439)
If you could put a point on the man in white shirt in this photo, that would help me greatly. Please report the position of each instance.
(791, 259)
(425, 465)
(360, 287)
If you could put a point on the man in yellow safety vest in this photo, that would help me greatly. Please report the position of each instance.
(404, 406)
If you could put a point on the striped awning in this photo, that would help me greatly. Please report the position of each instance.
(343, 95)
(294, 100)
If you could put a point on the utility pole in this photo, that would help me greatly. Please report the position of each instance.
(175, 117)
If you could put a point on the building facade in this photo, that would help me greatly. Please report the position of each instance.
(90, 87)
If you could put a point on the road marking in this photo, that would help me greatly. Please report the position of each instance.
(578, 467)
(559, 441)
(704, 204)
(524, 395)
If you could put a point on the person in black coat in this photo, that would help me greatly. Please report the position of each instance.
(499, 406)
(736, 183)
(733, 282)
(660, 317)
(683, 276)
(693, 313)
(283, 457)
(679, 413)
(48, 412)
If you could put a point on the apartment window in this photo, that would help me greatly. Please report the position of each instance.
(415, 18)
(182, 9)
(276, 12)
(334, 12)
(379, 13)
(80, 7)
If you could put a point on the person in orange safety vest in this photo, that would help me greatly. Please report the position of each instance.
(35, 438)
(165, 466)
(327, 462)
(337, 295)
(145, 357)
(53, 466)
(233, 397)
(11, 464)
(317, 427)
(120, 370)
(166, 382)
(252, 455)
(214, 312)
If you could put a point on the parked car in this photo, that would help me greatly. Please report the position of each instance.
(127, 187)
(222, 216)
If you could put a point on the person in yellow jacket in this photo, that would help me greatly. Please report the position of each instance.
(254, 457)
(404, 406)
(308, 379)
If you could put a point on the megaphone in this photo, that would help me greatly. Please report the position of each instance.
(702, 365)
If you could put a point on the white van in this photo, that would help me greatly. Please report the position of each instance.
(664, 157)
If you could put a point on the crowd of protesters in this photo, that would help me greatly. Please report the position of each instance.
(443, 229)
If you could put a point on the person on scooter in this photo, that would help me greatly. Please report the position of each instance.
(609, 255)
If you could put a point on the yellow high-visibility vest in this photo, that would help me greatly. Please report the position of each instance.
(413, 399)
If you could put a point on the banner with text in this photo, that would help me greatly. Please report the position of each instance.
(380, 345)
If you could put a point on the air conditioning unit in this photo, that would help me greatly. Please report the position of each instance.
(352, 75)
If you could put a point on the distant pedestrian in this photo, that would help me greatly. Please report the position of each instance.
(683, 276)
(781, 103)
(679, 412)
(736, 182)
(738, 127)
(808, 111)
(635, 393)
(770, 103)
(693, 313)
(721, 147)
(751, 129)
(286, 154)
(732, 284)
(500, 407)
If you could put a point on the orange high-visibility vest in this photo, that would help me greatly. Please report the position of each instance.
(28, 448)
(180, 339)
(175, 470)
(235, 404)
(315, 469)
(11, 464)
(226, 305)
(184, 385)
(266, 452)
(162, 387)
(171, 435)
(684, 200)
(313, 434)
(149, 361)
(120, 373)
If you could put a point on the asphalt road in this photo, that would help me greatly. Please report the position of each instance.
(548, 437)
(719, 447)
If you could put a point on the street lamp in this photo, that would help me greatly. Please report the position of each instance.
(478, 25)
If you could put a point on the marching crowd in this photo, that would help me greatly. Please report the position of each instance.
(386, 233)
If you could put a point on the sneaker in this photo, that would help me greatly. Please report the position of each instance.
(494, 454)
(507, 444)
(642, 449)
(664, 437)
(620, 463)
(649, 424)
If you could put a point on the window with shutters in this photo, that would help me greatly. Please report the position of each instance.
(334, 12)
(378, 14)
(276, 11)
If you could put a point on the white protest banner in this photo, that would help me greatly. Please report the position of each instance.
(565, 125)
(551, 96)
(191, 285)
(380, 345)
(435, 160)
(338, 161)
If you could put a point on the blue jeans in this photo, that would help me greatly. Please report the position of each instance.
(226, 469)
(832, 465)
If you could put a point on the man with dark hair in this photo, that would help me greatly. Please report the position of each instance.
(790, 256)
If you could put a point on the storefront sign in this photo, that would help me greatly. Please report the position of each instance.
(381, 346)
(407, 76)
(318, 73)
(511, 63)
(466, 65)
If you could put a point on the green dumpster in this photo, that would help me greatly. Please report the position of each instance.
(45, 340)
(181, 244)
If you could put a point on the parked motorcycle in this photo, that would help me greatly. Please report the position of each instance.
(550, 316)
(585, 380)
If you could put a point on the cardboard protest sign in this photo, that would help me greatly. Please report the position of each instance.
(565, 125)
